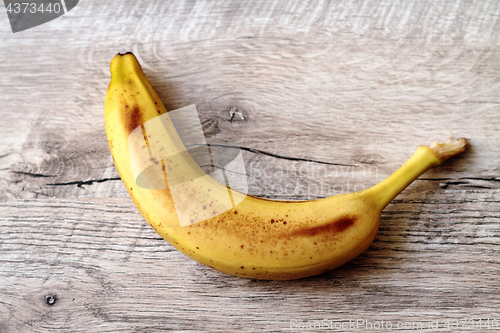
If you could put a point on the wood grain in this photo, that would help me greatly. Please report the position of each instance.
(362, 99)
(335, 96)
(108, 270)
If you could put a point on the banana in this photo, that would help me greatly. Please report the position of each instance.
(255, 238)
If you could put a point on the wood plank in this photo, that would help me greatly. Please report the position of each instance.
(362, 92)
(107, 269)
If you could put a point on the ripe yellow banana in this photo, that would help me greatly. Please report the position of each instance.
(256, 238)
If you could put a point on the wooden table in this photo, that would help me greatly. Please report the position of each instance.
(326, 97)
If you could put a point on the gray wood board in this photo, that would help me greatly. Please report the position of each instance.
(336, 96)
(107, 269)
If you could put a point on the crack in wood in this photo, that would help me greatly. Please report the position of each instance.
(465, 182)
(80, 183)
(263, 152)
(32, 174)
(495, 179)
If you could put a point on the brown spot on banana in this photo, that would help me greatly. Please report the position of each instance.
(339, 225)
(132, 118)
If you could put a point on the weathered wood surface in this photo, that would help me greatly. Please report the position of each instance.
(335, 96)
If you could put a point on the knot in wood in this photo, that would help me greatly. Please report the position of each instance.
(50, 299)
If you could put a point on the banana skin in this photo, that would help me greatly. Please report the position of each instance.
(258, 238)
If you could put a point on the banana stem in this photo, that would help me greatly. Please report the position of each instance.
(425, 158)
